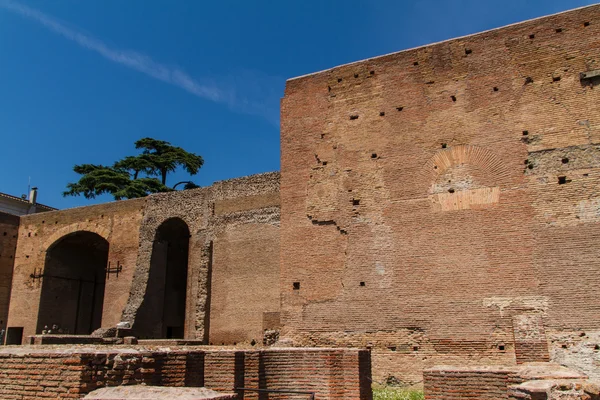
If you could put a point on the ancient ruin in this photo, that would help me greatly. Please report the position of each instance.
(437, 207)
(163, 264)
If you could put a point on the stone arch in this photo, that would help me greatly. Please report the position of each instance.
(73, 283)
(72, 228)
(485, 160)
(463, 177)
(147, 235)
(162, 311)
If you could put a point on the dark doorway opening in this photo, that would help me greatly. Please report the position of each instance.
(162, 313)
(73, 284)
(14, 335)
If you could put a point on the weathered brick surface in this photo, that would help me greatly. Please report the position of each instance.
(490, 382)
(233, 258)
(36, 376)
(233, 261)
(555, 390)
(117, 222)
(424, 212)
(9, 227)
(580, 350)
(331, 373)
(463, 384)
(438, 205)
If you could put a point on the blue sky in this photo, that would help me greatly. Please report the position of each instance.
(80, 81)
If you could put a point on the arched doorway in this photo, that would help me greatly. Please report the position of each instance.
(73, 284)
(162, 313)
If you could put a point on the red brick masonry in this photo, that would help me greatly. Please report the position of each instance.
(34, 372)
(488, 382)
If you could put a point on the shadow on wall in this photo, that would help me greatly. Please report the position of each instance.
(73, 284)
(162, 312)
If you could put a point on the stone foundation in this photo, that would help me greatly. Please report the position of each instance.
(490, 382)
(555, 390)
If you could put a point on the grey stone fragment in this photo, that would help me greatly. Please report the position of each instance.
(142, 392)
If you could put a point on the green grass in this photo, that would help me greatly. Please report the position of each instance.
(391, 393)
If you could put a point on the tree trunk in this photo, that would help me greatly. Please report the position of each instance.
(164, 176)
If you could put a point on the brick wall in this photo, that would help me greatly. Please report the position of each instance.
(72, 375)
(480, 383)
(435, 198)
(332, 374)
(245, 284)
(35, 376)
(438, 205)
(233, 264)
(117, 223)
(492, 382)
(9, 227)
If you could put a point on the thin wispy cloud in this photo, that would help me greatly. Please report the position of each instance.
(229, 94)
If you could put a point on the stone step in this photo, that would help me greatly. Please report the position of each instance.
(142, 392)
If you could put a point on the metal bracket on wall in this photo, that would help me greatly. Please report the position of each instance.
(36, 275)
(115, 270)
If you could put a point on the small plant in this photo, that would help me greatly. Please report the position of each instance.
(393, 393)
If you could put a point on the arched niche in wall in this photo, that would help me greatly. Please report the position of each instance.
(73, 284)
(464, 177)
(162, 312)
